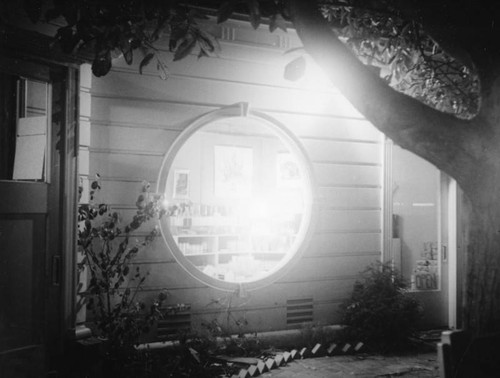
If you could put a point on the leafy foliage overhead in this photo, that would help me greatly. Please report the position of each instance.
(408, 58)
(111, 28)
(378, 34)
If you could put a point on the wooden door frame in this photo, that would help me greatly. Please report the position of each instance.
(69, 202)
(454, 214)
(60, 276)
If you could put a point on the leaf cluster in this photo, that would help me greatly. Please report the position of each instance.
(112, 28)
(275, 11)
(380, 312)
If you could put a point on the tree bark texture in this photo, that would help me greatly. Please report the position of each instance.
(482, 286)
(467, 150)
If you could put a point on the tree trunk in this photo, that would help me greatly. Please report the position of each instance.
(469, 151)
(482, 284)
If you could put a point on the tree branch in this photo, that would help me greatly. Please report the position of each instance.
(440, 138)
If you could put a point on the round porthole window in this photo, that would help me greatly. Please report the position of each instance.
(239, 192)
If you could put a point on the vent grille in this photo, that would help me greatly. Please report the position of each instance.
(299, 311)
(173, 324)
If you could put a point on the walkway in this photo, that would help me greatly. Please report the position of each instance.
(420, 365)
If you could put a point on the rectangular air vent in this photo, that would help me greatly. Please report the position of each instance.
(173, 324)
(299, 311)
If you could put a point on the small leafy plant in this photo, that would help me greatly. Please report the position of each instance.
(113, 281)
(380, 312)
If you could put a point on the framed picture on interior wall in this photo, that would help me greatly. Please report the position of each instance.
(181, 183)
(287, 171)
(233, 171)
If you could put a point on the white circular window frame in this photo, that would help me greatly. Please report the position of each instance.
(310, 215)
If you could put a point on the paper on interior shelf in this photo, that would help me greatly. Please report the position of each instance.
(30, 148)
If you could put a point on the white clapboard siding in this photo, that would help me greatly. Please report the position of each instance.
(342, 151)
(350, 198)
(338, 174)
(219, 93)
(349, 220)
(119, 137)
(124, 191)
(328, 268)
(136, 118)
(329, 127)
(120, 163)
(345, 243)
(141, 111)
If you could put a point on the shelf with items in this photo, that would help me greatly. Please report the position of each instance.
(232, 247)
(235, 243)
(247, 252)
(426, 272)
(210, 224)
(196, 244)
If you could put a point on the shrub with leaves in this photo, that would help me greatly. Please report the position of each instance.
(380, 312)
(114, 283)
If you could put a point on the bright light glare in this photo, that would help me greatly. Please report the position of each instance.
(316, 93)
(259, 208)
(241, 214)
(315, 78)
(165, 203)
(314, 89)
(275, 204)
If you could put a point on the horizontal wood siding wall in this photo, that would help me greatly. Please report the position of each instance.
(135, 118)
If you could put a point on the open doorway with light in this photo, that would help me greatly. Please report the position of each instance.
(420, 236)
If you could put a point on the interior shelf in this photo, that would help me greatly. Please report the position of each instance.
(227, 248)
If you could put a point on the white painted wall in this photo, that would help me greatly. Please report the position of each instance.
(135, 118)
